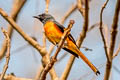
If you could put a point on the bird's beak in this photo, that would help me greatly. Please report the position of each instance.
(36, 17)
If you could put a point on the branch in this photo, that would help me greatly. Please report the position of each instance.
(93, 26)
(54, 58)
(112, 40)
(67, 68)
(11, 77)
(86, 48)
(21, 32)
(80, 7)
(79, 42)
(7, 54)
(68, 13)
(17, 6)
(85, 25)
(117, 52)
(47, 5)
(37, 77)
(101, 32)
(51, 48)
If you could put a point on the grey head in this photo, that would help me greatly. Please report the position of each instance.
(45, 17)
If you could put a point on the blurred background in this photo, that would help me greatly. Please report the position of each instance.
(25, 61)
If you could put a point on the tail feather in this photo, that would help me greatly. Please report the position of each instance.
(84, 58)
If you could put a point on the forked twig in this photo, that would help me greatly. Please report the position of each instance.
(101, 32)
(117, 52)
(7, 54)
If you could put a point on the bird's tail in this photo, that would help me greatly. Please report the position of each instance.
(85, 59)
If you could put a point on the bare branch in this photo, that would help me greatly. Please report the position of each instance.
(12, 77)
(86, 48)
(7, 54)
(80, 7)
(67, 68)
(51, 48)
(37, 77)
(68, 13)
(101, 32)
(112, 40)
(21, 32)
(85, 25)
(54, 58)
(47, 5)
(117, 52)
(17, 6)
(93, 26)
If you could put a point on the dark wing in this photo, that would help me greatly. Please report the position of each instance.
(61, 27)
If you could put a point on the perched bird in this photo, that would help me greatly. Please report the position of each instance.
(54, 31)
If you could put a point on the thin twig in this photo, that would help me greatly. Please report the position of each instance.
(46, 11)
(67, 68)
(12, 77)
(93, 26)
(54, 58)
(17, 7)
(79, 42)
(51, 48)
(47, 5)
(101, 32)
(117, 52)
(37, 77)
(62, 57)
(112, 40)
(85, 25)
(21, 32)
(80, 7)
(68, 13)
(7, 54)
(86, 48)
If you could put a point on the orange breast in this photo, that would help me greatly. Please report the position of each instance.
(52, 32)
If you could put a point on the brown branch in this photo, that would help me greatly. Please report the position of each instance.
(117, 52)
(37, 77)
(62, 57)
(54, 58)
(101, 32)
(51, 48)
(47, 5)
(44, 40)
(86, 48)
(68, 13)
(85, 25)
(67, 68)
(112, 40)
(7, 54)
(93, 26)
(79, 42)
(46, 11)
(17, 6)
(105, 27)
(21, 32)
(80, 7)
(12, 77)
(31, 41)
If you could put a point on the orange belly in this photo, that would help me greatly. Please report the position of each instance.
(52, 32)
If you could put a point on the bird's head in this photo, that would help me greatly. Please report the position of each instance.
(44, 17)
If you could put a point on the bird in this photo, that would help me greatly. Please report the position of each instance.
(54, 30)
